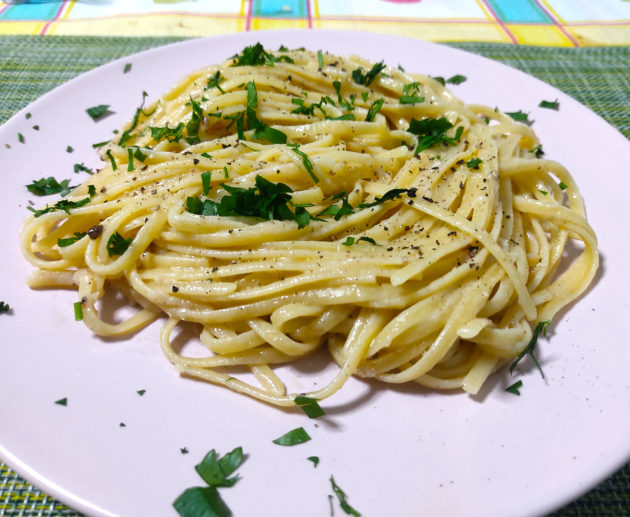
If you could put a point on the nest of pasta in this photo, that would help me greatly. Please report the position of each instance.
(292, 200)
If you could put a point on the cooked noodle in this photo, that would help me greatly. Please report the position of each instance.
(439, 282)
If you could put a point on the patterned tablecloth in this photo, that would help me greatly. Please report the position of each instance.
(565, 23)
(499, 29)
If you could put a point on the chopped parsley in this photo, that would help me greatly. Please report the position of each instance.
(563, 185)
(369, 240)
(206, 501)
(537, 150)
(62, 402)
(294, 437)
(215, 81)
(49, 186)
(305, 161)
(141, 392)
(320, 60)
(338, 211)
(127, 68)
(541, 327)
(172, 134)
(519, 116)
(343, 502)
(310, 406)
(127, 134)
(456, 79)
(410, 94)
(374, 109)
(79, 167)
(394, 193)
(117, 244)
(69, 149)
(205, 182)
(513, 389)
(266, 200)
(4, 307)
(256, 55)
(314, 459)
(78, 311)
(474, 163)
(62, 243)
(216, 472)
(366, 79)
(340, 100)
(348, 242)
(111, 159)
(96, 112)
(432, 132)
(552, 105)
(64, 205)
(20, 138)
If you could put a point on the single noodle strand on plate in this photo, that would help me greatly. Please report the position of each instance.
(290, 200)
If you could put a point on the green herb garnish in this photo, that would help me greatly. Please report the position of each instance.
(97, 112)
(20, 138)
(305, 161)
(474, 163)
(4, 307)
(563, 185)
(127, 68)
(64, 205)
(432, 132)
(69, 149)
(141, 392)
(314, 459)
(348, 242)
(552, 105)
(214, 82)
(172, 134)
(78, 311)
(79, 167)
(206, 501)
(374, 109)
(127, 134)
(256, 55)
(216, 471)
(266, 200)
(310, 406)
(320, 60)
(62, 402)
(62, 243)
(111, 159)
(541, 327)
(49, 186)
(130, 166)
(294, 437)
(369, 240)
(513, 389)
(338, 211)
(519, 116)
(390, 195)
(537, 150)
(366, 79)
(343, 502)
(205, 182)
(117, 244)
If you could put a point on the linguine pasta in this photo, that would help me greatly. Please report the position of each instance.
(287, 201)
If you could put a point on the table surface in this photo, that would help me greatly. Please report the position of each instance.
(532, 35)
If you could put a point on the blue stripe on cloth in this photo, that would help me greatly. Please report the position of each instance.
(280, 8)
(39, 11)
(519, 11)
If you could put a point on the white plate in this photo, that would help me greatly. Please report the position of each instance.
(395, 451)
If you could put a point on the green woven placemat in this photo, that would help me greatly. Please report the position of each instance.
(597, 77)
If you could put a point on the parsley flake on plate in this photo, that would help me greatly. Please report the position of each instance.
(97, 112)
(552, 105)
(342, 497)
(310, 406)
(4, 307)
(293, 437)
(541, 328)
(514, 388)
(49, 186)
